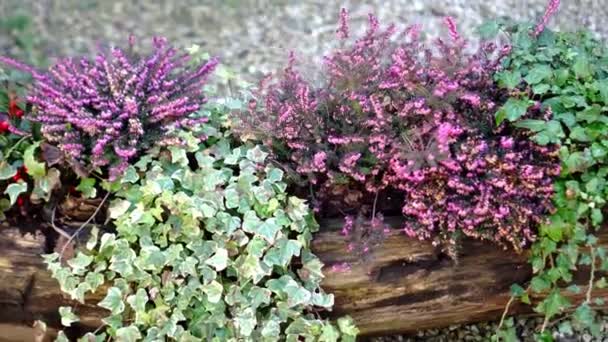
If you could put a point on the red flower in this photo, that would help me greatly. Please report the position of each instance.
(21, 174)
(3, 127)
(13, 108)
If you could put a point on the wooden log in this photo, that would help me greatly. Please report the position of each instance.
(403, 286)
(409, 285)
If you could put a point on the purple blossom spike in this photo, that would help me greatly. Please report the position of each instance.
(550, 11)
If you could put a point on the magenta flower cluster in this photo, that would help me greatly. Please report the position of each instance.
(398, 120)
(104, 112)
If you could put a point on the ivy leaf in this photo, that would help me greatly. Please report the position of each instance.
(94, 280)
(553, 304)
(533, 125)
(35, 168)
(14, 190)
(80, 262)
(256, 154)
(7, 170)
(274, 175)
(118, 208)
(213, 291)
(581, 67)
(538, 74)
(128, 334)
(139, 300)
(219, 260)
(113, 301)
(282, 252)
(245, 321)
(67, 316)
(329, 334)
(512, 110)
(87, 187)
(347, 326)
(61, 337)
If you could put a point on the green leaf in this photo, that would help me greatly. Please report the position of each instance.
(139, 300)
(347, 326)
(533, 125)
(596, 217)
(118, 208)
(554, 304)
(579, 134)
(245, 321)
(213, 291)
(7, 170)
(61, 337)
(540, 89)
(130, 175)
(256, 154)
(512, 110)
(538, 74)
(282, 252)
(87, 187)
(584, 315)
(219, 260)
(113, 301)
(80, 262)
(14, 190)
(509, 79)
(581, 67)
(67, 316)
(35, 168)
(128, 334)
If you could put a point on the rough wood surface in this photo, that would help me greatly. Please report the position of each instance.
(408, 285)
(405, 285)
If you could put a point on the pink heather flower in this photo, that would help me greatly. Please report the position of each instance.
(108, 101)
(550, 11)
(342, 31)
(451, 24)
(472, 99)
(319, 161)
(506, 142)
(414, 124)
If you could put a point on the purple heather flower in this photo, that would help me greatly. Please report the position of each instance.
(550, 11)
(103, 112)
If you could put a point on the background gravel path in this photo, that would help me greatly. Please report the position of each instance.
(254, 36)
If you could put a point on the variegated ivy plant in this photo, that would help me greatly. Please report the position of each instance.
(203, 250)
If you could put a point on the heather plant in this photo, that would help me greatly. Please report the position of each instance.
(103, 113)
(564, 73)
(396, 120)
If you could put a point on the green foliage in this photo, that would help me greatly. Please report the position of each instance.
(24, 179)
(566, 74)
(203, 249)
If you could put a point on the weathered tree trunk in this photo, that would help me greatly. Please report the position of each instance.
(403, 286)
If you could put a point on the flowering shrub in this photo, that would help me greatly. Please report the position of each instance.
(204, 252)
(104, 112)
(397, 119)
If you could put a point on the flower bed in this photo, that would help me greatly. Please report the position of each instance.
(188, 212)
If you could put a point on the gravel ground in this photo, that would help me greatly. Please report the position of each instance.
(253, 36)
